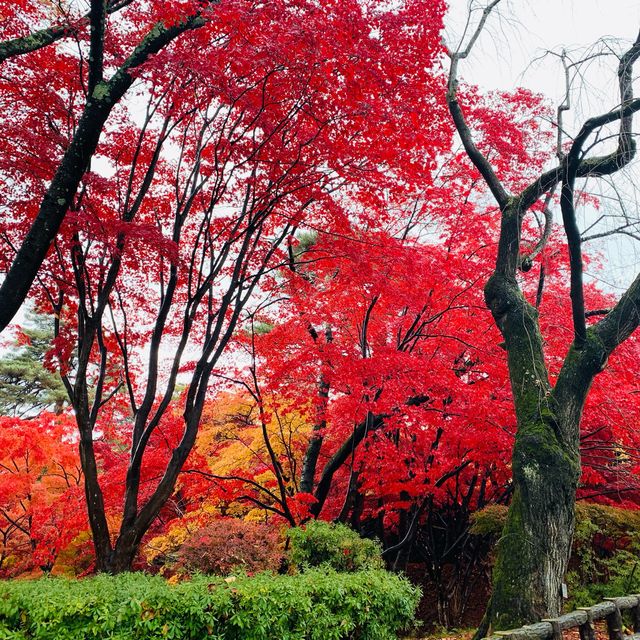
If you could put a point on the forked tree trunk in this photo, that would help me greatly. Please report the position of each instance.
(534, 549)
(535, 545)
(122, 557)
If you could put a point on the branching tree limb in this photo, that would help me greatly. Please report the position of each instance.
(50, 35)
(74, 164)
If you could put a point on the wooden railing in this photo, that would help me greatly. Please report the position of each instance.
(583, 619)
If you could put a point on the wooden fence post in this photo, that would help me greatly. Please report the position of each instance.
(555, 625)
(614, 622)
(587, 630)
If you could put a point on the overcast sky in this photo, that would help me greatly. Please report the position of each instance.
(524, 29)
(511, 52)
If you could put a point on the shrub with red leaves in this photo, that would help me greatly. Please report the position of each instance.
(232, 545)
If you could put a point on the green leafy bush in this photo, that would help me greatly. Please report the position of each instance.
(606, 554)
(320, 544)
(489, 521)
(230, 545)
(315, 605)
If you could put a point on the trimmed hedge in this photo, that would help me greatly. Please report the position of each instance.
(316, 605)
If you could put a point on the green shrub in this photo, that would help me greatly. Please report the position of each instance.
(316, 605)
(606, 554)
(321, 543)
(489, 521)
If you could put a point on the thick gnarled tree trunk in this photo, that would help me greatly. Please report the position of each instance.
(534, 549)
(535, 544)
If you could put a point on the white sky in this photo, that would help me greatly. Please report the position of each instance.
(510, 53)
(523, 29)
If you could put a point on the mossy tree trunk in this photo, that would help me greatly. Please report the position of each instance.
(535, 545)
(534, 549)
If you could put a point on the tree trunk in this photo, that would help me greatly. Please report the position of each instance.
(534, 549)
(536, 542)
(122, 557)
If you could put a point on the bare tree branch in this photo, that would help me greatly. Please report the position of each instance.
(626, 150)
(475, 155)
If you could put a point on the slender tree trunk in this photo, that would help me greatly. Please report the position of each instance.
(310, 461)
(308, 475)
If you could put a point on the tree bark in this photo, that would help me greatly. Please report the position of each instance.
(535, 545)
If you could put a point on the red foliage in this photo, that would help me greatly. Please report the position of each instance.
(286, 167)
(41, 497)
(231, 545)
